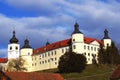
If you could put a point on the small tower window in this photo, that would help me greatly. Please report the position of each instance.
(10, 48)
(28, 53)
(16, 48)
(73, 39)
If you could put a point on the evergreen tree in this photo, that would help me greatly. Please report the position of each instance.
(72, 62)
(109, 55)
(101, 55)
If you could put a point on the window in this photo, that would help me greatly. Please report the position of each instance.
(55, 52)
(73, 39)
(52, 59)
(10, 48)
(16, 48)
(84, 47)
(55, 58)
(94, 48)
(88, 54)
(88, 48)
(48, 54)
(74, 47)
(28, 53)
(52, 53)
(84, 53)
(43, 56)
(91, 48)
(62, 50)
(45, 61)
(66, 50)
(56, 63)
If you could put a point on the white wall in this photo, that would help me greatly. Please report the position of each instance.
(13, 50)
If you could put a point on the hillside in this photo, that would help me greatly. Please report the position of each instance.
(92, 72)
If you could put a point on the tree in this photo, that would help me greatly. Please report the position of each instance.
(16, 64)
(102, 55)
(72, 62)
(109, 55)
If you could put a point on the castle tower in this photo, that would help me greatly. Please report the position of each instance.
(26, 50)
(77, 40)
(106, 39)
(13, 47)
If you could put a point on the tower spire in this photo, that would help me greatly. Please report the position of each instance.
(106, 36)
(13, 39)
(26, 44)
(76, 28)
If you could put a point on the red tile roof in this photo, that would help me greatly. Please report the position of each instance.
(116, 74)
(52, 46)
(32, 76)
(62, 43)
(3, 60)
(88, 40)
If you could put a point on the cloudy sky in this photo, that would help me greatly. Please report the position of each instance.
(53, 20)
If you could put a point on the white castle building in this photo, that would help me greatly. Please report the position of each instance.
(47, 57)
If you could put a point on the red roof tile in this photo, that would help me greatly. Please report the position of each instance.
(33, 76)
(52, 46)
(3, 60)
(62, 43)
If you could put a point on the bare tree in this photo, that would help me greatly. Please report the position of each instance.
(16, 65)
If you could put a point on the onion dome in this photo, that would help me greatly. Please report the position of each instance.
(106, 36)
(47, 43)
(76, 28)
(26, 44)
(13, 39)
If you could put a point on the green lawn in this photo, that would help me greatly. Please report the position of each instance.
(92, 72)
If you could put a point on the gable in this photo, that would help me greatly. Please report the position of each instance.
(95, 42)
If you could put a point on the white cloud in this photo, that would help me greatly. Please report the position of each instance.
(3, 52)
(92, 15)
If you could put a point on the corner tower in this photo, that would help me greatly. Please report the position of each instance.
(26, 50)
(13, 47)
(106, 39)
(77, 40)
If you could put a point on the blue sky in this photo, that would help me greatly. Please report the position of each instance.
(53, 20)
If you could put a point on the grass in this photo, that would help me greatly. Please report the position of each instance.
(92, 72)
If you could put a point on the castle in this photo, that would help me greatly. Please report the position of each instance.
(47, 57)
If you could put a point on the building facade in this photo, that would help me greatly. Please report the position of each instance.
(47, 57)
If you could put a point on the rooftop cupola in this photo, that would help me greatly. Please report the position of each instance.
(26, 44)
(14, 39)
(47, 43)
(76, 28)
(106, 36)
